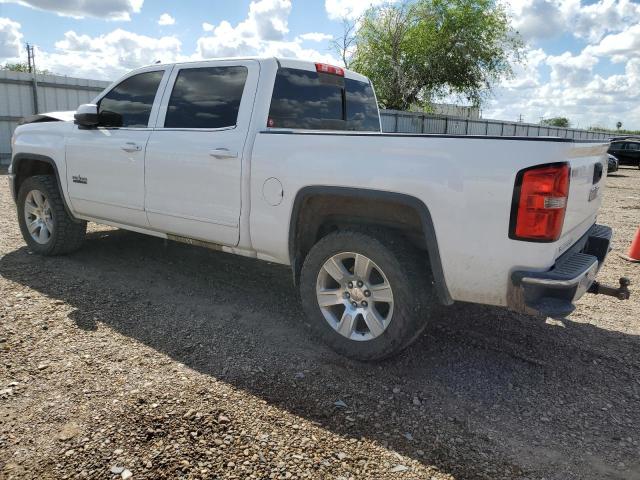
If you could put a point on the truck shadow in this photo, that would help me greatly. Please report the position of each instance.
(482, 390)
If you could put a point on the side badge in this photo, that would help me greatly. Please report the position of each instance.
(79, 179)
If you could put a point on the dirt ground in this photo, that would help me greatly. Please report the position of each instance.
(141, 357)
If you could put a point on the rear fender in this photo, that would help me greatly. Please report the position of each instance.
(416, 205)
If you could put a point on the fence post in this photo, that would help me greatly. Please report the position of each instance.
(446, 125)
(424, 119)
(395, 125)
(34, 89)
(466, 127)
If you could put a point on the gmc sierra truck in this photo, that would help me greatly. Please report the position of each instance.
(284, 160)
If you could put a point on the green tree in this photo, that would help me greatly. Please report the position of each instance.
(619, 125)
(557, 122)
(21, 67)
(419, 51)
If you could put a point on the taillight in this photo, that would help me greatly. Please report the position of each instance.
(539, 203)
(325, 68)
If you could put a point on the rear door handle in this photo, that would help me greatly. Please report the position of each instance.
(131, 147)
(223, 153)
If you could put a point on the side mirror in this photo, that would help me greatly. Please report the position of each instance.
(86, 116)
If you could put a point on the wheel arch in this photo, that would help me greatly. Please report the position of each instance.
(315, 206)
(25, 165)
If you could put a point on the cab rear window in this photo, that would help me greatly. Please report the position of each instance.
(320, 101)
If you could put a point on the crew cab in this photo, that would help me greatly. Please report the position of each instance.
(284, 160)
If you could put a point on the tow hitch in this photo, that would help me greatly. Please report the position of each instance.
(621, 293)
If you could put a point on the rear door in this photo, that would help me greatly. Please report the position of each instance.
(194, 155)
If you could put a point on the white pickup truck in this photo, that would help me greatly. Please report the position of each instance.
(284, 160)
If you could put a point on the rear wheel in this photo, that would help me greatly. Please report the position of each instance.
(45, 225)
(367, 294)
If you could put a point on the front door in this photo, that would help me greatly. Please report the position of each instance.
(194, 155)
(105, 165)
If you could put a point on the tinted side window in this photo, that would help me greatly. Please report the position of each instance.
(362, 110)
(129, 103)
(307, 100)
(206, 97)
(320, 101)
(633, 146)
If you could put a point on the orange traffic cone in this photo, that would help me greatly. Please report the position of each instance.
(634, 249)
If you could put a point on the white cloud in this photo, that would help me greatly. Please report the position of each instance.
(571, 70)
(107, 9)
(573, 84)
(544, 19)
(108, 56)
(315, 37)
(269, 18)
(10, 39)
(350, 9)
(263, 32)
(573, 90)
(537, 18)
(527, 75)
(593, 21)
(166, 19)
(619, 47)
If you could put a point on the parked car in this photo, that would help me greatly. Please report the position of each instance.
(612, 163)
(626, 150)
(284, 160)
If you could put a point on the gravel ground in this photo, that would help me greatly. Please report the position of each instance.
(137, 356)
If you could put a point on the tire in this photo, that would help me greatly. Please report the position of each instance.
(401, 267)
(65, 235)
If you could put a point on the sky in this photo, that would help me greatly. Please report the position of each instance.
(582, 57)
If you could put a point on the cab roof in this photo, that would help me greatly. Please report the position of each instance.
(285, 62)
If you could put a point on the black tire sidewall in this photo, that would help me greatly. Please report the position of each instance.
(35, 183)
(410, 282)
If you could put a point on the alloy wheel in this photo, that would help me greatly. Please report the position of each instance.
(38, 216)
(355, 296)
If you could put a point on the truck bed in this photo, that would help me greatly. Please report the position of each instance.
(466, 182)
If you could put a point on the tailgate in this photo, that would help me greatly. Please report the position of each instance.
(588, 162)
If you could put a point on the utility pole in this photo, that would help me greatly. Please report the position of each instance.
(31, 59)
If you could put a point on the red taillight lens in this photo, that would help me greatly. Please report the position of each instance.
(325, 68)
(539, 203)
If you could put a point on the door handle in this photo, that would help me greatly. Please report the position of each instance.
(223, 153)
(131, 147)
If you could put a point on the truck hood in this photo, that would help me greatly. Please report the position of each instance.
(49, 117)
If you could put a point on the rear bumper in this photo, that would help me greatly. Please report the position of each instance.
(554, 292)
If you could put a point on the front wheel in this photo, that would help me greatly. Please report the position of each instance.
(368, 295)
(45, 225)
